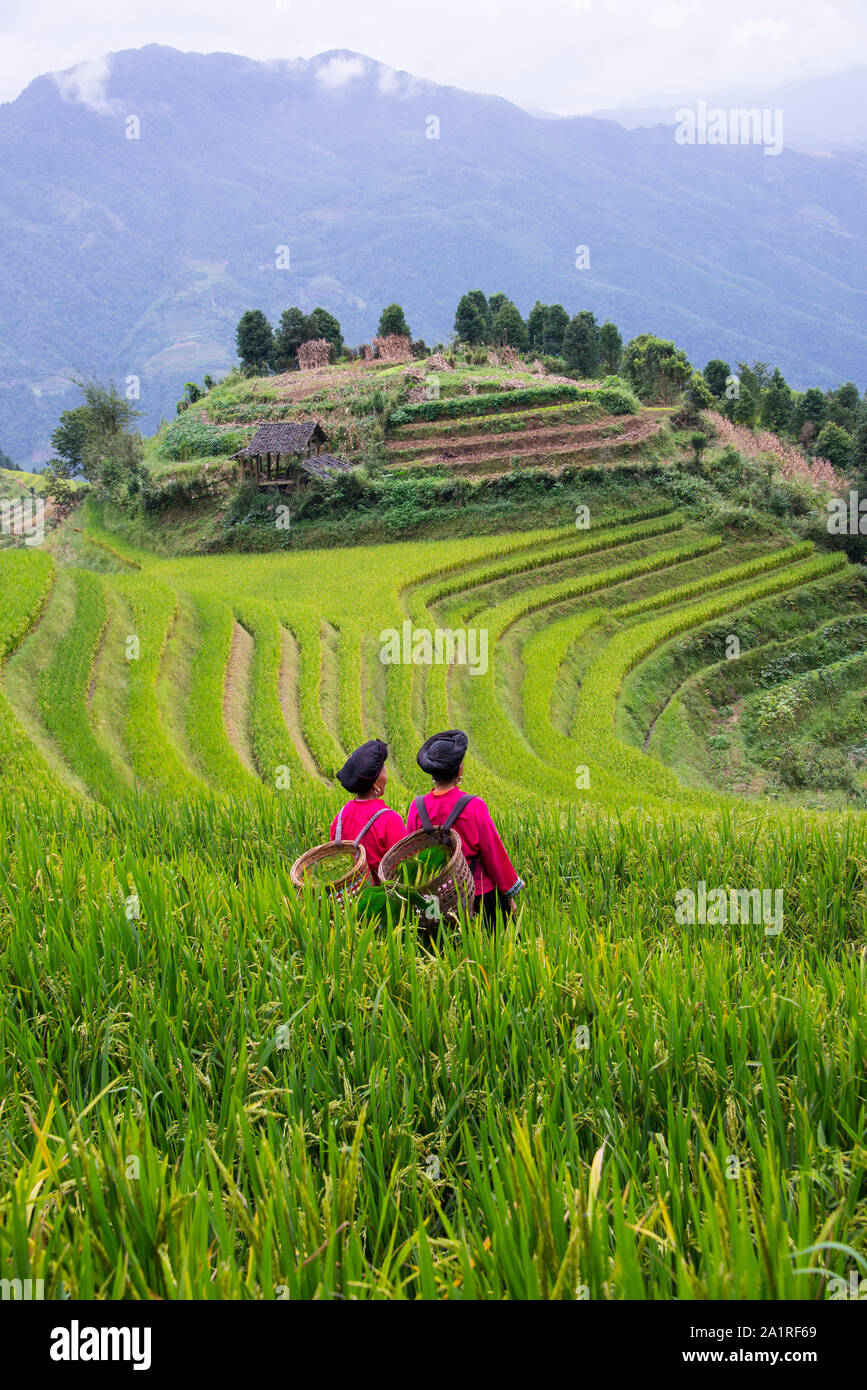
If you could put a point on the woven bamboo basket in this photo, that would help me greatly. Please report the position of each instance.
(452, 887)
(350, 884)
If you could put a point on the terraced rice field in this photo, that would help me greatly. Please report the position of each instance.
(552, 437)
(215, 1088)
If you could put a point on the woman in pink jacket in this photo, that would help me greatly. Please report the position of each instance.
(495, 879)
(367, 819)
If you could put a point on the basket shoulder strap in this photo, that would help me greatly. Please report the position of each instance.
(375, 817)
(421, 808)
(456, 810)
(338, 829)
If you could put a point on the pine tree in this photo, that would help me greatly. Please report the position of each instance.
(716, 374)
(581, 344)
(472, 324)
(776, 410)
(393, 320)
(508, 326)
(554, 330)
(255, 340)
(610, 347)
(295, 328)
(536, 322)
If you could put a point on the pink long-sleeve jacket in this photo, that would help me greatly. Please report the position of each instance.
(492, 867)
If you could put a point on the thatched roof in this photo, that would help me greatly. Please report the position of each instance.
(324, 465)
(284, 437)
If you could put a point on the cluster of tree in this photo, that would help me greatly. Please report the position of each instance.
(829, 424)
(480, 321)
(262, 348)
(97, 441)
(6, 462)
(584, 345)
(581, 343)
(591, 348)
(657, 370)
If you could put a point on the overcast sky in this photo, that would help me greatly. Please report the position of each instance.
(566, 56)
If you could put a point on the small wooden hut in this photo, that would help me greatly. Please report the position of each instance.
(277, 451)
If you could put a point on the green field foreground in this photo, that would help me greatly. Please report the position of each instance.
(216, 1089)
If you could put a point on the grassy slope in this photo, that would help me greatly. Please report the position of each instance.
(294, 1062)
(338, 1111)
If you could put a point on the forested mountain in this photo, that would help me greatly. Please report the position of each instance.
(134, 257)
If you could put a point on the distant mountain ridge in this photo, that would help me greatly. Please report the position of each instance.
(820, 112)
(135, 257)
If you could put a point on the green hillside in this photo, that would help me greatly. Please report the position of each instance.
(219, 1087)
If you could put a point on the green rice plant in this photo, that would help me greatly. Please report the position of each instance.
(639, 526)
(349, 685)
(218, 1087)
(762, 565)
(415, 700)
(155, 760)
(273, 748)
(215, 757)
(26, 579)
(404, 736)
(594, 719)
(543, 655)
(199, 1106)
(324, 747)
(98, 534)
(499, 742)
(546, 595)
(512, 545)
(62, 694)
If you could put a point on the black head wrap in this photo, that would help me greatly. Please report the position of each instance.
(362, 767)
(442, 754)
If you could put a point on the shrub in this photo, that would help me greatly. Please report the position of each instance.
(698, 443)
(188, 438)
(454, 406)
(836, 445)
(725, 516)
(186, 488)
(555, 365)
(616, 397)
(817, 767)
(698, 394)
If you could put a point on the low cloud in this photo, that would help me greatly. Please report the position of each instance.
(86, 83)
(338, 71)
(388, 81)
